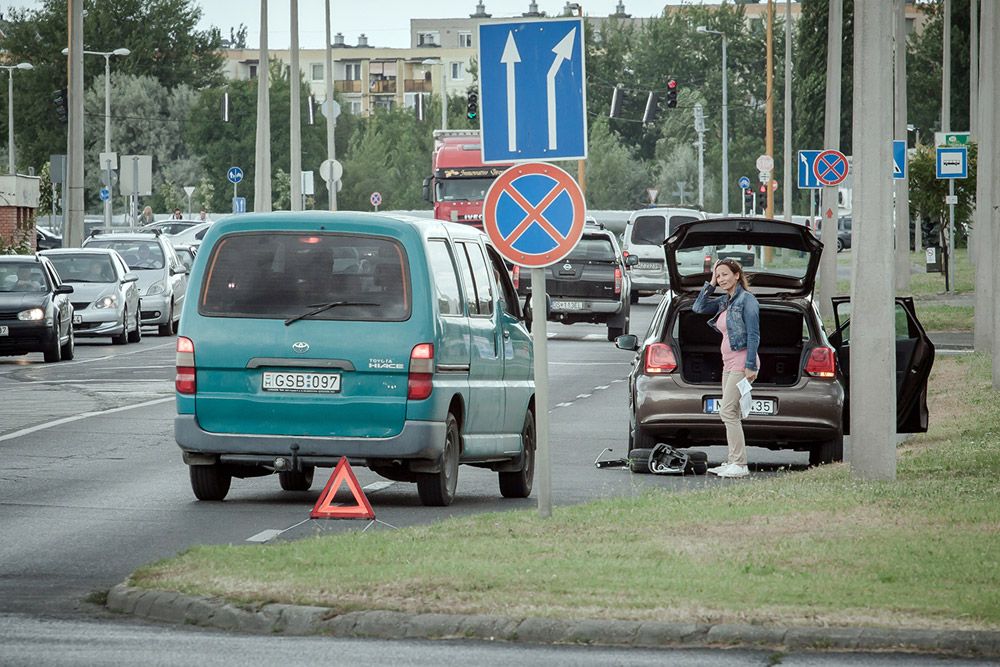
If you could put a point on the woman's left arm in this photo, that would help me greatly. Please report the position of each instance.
(751, 320)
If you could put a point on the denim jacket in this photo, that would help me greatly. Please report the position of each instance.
(742, 318)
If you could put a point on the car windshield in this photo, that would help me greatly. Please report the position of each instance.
(593, 248)
(22, 277)
(754, 259)
(283, 275)
(462, 189)
(84, 268)
(140, 255)
(649, 230)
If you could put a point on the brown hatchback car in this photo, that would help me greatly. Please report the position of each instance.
(800, 395)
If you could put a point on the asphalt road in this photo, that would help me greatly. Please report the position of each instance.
(93, 487)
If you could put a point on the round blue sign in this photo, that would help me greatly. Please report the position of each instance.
(744, 182)
(235, 175)
(105, 194)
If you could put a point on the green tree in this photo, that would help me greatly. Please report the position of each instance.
(615, 178)
(162, 36)
(927, 193)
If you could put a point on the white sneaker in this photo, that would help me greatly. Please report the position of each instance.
(719, 468)
(734, 470)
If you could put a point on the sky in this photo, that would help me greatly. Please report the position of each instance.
(385, 22)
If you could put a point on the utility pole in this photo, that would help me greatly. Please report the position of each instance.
(331, 117)
(987, 198)
(973, 67)
(296, 111)
(786, 171)
(699, 128)
(946, 127)
(74, 143)
(902, 186)
(769, 123)
(873, 331)
(829, 209)
(262, 158)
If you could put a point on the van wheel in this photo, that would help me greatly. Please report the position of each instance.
(293, 480)
(136, 336)
(437, 489)
(827, 451)
(69, 349)
(123, 337)
(518, 484)
(168, 328)
(210, 482)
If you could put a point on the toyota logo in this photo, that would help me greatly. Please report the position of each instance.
(301, 347)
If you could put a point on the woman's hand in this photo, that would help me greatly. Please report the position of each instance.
(749, 374)
(713, 282)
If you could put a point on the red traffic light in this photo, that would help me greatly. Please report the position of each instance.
(671, 84)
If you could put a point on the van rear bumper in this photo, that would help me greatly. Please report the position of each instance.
(421, 440)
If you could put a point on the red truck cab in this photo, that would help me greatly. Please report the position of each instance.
(459, 180)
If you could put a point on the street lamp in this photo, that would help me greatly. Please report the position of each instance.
(107, 116)
(444, 91)
(10, 111)
(725, 119)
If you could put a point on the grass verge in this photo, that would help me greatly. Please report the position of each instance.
(942, 317)
(814, 547)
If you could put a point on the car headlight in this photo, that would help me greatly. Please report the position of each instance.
(31, 315)
(156, 288)
(109, 301)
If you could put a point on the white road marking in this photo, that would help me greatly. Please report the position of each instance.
(98, 381)
(83, 415)
(564, 405)
(585, 363)
(64, 364)
(265, 535)
(584, 395)
(376, 486)
(603, 386)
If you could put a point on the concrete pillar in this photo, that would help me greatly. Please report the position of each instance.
(262, 160)
(829, 208)
(989, 146)
(74, 143)
(873, 337)
(295, 111)
(902, 187)
(400, 83)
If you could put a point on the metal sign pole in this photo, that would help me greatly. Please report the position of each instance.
(951, 236)
(543, 466)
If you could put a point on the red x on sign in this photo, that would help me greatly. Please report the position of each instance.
(830, 167)
(534, 213)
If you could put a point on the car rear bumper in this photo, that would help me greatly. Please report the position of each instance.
(809, 411)
(421, 440)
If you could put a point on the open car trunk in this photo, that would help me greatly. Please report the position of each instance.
(783, 333)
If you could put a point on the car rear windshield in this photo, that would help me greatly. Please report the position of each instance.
(272, 275)
(649, 230)
(84, 268)
(593, 249)
(753, 258)
(139, 254)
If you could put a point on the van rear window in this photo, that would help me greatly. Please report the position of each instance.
(649, 230)
(283, 275)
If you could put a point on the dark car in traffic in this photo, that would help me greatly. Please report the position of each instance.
(800, 395)
(591, 284)
(36, 314)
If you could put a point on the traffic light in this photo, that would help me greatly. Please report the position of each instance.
(748, 201)
(472, 110)
(59, 100)
(671, 93)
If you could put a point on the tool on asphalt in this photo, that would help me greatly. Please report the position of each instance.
(660, 460)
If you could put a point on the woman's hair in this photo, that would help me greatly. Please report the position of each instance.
(737, 268)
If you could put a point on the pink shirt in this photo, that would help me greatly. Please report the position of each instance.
(731, 361)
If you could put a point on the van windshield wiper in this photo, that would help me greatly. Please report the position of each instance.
(319, 308)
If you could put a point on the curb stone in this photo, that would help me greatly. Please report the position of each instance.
(171, 607)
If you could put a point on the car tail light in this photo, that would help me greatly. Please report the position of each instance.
(185, 379)
(822, 363)
(708, 263)
(660, 359)
(515, 276)
(618, 280)
(419, 383)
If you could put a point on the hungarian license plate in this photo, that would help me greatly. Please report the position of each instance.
(78, 319)
(649, 266)
(568, 305)
(308, 383)
(758, 407)
(4, 331)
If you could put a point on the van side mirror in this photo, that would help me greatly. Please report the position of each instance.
(425, 190)
(528, 315)
(631, 260)
(628, 342)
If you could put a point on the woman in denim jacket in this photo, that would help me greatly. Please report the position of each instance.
(740, 329)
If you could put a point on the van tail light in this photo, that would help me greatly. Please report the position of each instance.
(515, 276)
(821, 363)
(708, 263)
(618, 281)
(419, 384)
(660, 359)
(185, 379)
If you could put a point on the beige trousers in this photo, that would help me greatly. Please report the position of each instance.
(731, 417)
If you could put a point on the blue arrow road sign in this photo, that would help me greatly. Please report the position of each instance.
(235, 175)
(532, 91)
(105, 194)
(239, 204)
(899, 159)
(807, 175)
(952, 163)
(744, 182)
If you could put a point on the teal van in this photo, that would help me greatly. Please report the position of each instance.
(394, 341)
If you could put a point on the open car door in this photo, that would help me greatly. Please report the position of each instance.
(914, 358)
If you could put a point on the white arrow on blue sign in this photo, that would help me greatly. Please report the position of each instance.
(239, 204)
(899, 159)
(744, 182)
(235, 175)
(105, 194)
(532, 91)
(807, 175)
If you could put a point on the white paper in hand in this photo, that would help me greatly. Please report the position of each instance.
(745, 398)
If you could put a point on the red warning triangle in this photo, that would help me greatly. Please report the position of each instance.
(323, 509)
